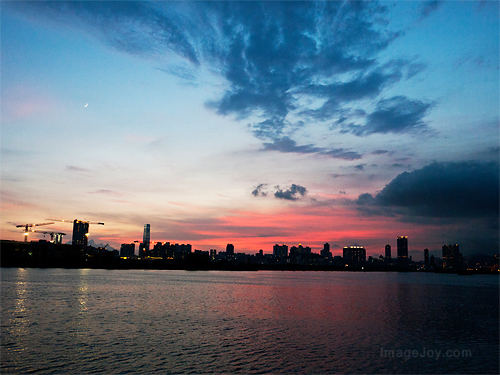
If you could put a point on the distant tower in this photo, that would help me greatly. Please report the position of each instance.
(426, 257)
(80, 233)
(229, 249)
(387, 252)
(402, 250)
(146, 237)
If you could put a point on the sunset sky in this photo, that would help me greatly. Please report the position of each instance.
(254, 123)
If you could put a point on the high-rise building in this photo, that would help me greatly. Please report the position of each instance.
(230, 249)
(387, 252)
(146, 238)
(451, 256)
(426, 257)
(80, 233)
(325, 253)
(402, 243)
(280, 251)
(354, 255)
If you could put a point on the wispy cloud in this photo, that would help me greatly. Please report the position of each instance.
(272, 55)
(107, 192)
(286, 145)
(395, 115)
(73, 168)
(429, 7)
(259, 191)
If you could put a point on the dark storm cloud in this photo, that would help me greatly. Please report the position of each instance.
(287, 145)
(395, 115)
(273, 56)
(292, 194)
(439, 190)
(258, 191)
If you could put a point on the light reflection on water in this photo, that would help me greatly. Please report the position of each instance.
(57, 320)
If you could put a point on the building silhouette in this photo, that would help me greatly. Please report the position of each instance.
(354, 255)
(300, 254)
(402, 243)
(127, 250)
(426, 257)
(230, 250)
(325, 253)
(451, 256)
(388, 253)
(280, 251)
(80, 233)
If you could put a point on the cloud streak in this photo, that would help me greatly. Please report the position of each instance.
(287, 145)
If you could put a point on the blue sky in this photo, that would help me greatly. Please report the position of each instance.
(254, 122)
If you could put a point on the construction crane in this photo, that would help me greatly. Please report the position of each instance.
(58, 235)
(80, 231)
(27, 226)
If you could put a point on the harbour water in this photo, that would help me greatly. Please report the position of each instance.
(131, 321)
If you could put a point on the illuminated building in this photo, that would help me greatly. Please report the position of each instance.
(80, 233)
(354, 255)
(402, 242)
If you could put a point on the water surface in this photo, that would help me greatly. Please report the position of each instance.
(117, 321)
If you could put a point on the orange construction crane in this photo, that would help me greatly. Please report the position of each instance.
(27, 226)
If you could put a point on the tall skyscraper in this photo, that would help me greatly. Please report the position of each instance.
(426, 257)
(230, 249)
(387, 252)
(146, 237)
(402, 242)
(80, 233)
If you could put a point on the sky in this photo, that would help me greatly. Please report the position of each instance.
(253, 123)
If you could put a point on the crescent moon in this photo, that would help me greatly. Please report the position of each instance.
(85, 106)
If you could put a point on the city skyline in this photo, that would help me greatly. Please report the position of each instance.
(254, 123)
